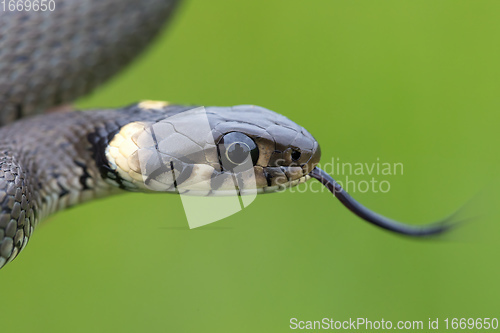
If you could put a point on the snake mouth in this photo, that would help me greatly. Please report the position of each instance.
(274, 179)
(282, 175)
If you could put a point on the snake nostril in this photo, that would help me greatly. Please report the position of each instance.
(296, 155)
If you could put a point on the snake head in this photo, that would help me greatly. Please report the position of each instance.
(213, 151)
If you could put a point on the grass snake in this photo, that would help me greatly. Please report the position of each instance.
(52, 161)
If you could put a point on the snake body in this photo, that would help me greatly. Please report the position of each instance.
(49, 59)
(49, 162)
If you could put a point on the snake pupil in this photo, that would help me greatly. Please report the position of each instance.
(238, 152)
(295, 154)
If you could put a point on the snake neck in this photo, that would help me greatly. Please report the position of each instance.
(52, 162)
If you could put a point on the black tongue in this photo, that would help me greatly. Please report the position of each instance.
(368, 215)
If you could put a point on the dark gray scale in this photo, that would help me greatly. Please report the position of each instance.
(51, 58)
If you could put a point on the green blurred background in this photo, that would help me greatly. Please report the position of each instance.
(415, 82)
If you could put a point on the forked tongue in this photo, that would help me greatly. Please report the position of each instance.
(368, 215)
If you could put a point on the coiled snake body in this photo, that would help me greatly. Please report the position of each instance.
(53, 161)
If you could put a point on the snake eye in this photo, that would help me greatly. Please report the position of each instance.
(235, 148)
